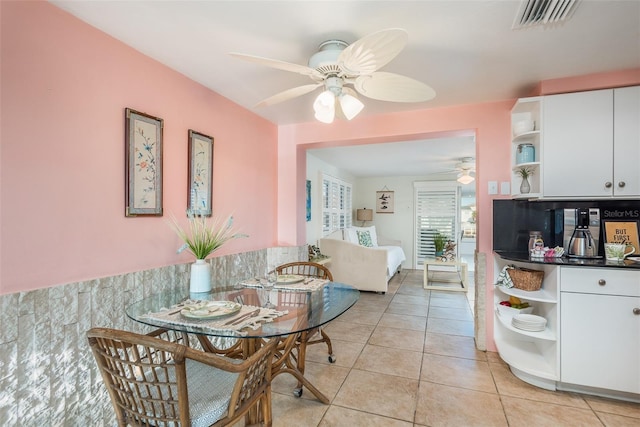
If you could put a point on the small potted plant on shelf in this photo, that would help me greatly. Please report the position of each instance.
(440, 240)
(524, 173)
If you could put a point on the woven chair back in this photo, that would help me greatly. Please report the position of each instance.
(305, 268)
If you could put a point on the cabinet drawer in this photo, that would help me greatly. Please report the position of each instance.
(606, 281)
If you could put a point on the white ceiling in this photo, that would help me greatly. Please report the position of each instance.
(410, 156)
(466, 50)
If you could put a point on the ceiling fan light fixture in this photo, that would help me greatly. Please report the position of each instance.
(351, 106)
(337, 64)
(465, 177)
(325, 107)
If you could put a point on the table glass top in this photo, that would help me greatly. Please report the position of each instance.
(306, 309)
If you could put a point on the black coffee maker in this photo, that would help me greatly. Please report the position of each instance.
(585, 223)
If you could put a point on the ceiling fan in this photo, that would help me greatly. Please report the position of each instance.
(338, 65)
(465, 167)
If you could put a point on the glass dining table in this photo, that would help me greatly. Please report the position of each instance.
(301, 312)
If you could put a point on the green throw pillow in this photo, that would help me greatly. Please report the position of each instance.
(364, 238)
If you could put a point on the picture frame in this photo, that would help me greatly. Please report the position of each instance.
(622, 231)
(200, 180)
(143, 164)
(384, 201)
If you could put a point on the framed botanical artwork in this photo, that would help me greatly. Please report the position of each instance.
(384, 201)
(622, 232)
(143, 164)
(200, 173)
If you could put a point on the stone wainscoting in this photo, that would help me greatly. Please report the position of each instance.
(48, 376)
(480, 306)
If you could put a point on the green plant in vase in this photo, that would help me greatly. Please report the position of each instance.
(524, 173)
(203, 236)
(440, 240)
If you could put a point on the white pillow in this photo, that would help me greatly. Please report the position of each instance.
(351, 234)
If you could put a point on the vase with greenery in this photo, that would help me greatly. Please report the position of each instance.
(524, 173)
(202, 237)
(440, 240)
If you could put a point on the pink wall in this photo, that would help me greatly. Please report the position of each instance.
(591, 82)
(64, 89)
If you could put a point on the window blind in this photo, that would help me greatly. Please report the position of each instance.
(336, 204)
(437, 209)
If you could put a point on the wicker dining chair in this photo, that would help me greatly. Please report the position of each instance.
(311, 269)
(152, 381)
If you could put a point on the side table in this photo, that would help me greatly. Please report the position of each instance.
(461, 275)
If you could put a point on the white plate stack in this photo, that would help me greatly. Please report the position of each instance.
(529, 322)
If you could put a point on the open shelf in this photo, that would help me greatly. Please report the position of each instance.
(547, 334)
(526, 136)
(533, 165)
(525, 356)
(542, 295)
(527, 109)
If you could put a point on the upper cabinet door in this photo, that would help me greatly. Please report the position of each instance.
(577, 152)
(626, 142)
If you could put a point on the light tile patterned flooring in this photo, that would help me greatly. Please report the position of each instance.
(408, 358)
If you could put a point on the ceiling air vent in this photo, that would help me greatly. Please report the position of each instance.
(544, 12)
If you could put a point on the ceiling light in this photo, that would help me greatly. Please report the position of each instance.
(325, 106)
(350, 105)
(465, 177)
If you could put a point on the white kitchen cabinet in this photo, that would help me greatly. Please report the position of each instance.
(592, 340)
(600, 329)
(626, 143)
(532, 356)
(526, 109)
(591, 144)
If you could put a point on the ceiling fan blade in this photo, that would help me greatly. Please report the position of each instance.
(280, 65)
(372, 52)
(288, 94)
(393, 87)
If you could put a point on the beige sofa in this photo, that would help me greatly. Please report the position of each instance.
(368, 268)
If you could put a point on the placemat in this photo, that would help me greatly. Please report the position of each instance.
(251, 283)
(172, 315)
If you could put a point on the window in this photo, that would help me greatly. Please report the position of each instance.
(437, 210)
(336, 204)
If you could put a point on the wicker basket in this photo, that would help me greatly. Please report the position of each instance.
(525, 279)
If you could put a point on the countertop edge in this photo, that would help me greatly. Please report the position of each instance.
(566, 261)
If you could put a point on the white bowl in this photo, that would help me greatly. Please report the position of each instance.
(505, 310)
(523, 126)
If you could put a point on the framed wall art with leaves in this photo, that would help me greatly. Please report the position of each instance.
(143, 164)
(200, 173)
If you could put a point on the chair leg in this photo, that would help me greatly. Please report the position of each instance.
(267, 416)
(326, 339)
(302, 355)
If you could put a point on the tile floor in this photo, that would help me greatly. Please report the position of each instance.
(407, 358)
